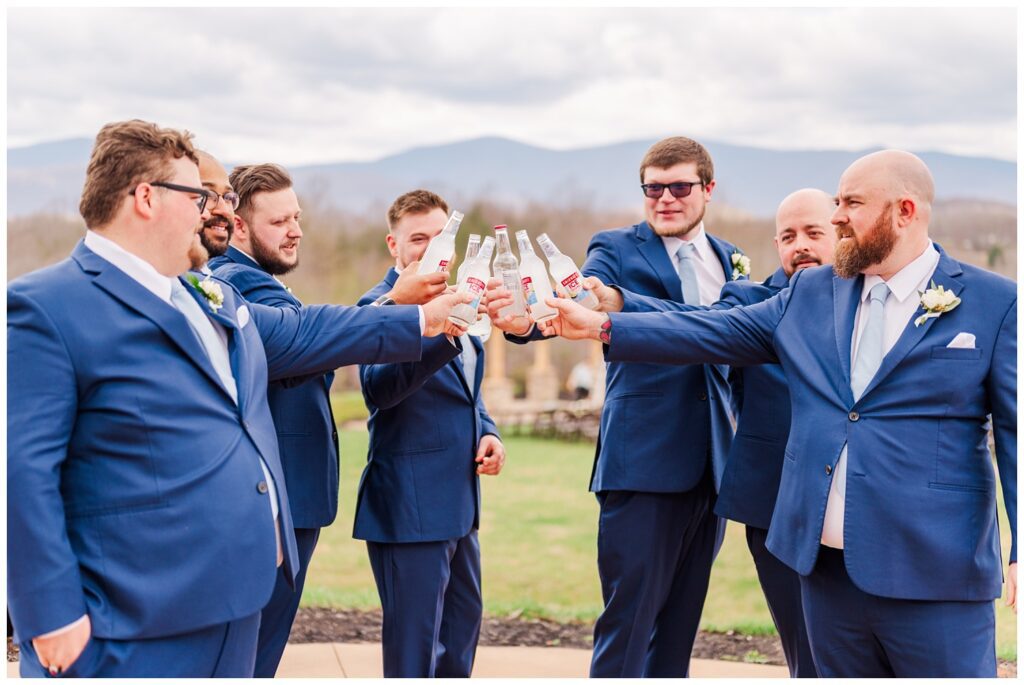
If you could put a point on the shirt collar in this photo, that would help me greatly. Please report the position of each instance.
(699, 241)
(247, 256)
(135, 267)
(908, 280)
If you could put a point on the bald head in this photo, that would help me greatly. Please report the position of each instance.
(882, 212)
(897, 173)
(218, 228)
(803, 235)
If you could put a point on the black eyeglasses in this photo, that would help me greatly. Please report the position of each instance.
(230, 197)
(200, 201)
(679, 189)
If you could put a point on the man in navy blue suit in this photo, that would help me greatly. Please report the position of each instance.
(265, 246)
(418, 506)
(898, 363)
(147, 512)
(658, 533)
(750, 483)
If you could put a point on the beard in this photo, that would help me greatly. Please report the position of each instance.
(679, 232)
(214, 247)
(197, 255)
(853, 256)
(271, 262)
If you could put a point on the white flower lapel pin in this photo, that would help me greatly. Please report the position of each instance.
(935, 302)
(209, 289)
(740, 265)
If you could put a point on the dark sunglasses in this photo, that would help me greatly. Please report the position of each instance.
(200, 201)
(679, 189)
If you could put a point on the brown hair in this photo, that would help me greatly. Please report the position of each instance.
(125, 154)
(414, 202)
(250, 180)
(679, 150)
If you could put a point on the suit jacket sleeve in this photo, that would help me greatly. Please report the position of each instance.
(320, 338)
(1002, 392)
(261, 288)
(44, 590)
(731, 296)
(487, 425)
(386, 385)
(739, 336)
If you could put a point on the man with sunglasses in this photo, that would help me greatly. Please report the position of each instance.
(658, 534)
(216, 233)
(147, 513)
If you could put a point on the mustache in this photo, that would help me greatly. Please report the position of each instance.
(217, 221)
(804, 258)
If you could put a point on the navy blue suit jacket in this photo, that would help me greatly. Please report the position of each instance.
(420, 482)
(683, 414)
(920, 517)
(133, 477)
(760, 398)
(306, 433)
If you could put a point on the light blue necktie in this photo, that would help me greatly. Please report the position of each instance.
(870, 351)
(688, 274)
(215, 348)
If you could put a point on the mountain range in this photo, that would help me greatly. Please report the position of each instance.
(48, 176)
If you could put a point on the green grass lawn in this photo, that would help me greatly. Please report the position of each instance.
(538, 542)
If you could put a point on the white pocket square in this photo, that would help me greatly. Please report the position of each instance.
(242, 315)
(962, 341)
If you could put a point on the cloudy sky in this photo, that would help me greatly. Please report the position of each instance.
(313, 85)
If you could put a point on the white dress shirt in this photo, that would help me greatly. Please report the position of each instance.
(710, 275)
(901, 305)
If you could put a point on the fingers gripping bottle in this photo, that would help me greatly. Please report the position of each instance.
(442, 246)
(482, 327)
(506, 267)
(475, 284)
(565, 273)
(536, 284)
(472, 250)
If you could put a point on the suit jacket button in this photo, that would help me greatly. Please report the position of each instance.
(703, 396)
(854, 416)
(828, 469)
(261, 487)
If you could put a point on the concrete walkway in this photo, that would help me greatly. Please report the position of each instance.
(364, 661)
(338, 660)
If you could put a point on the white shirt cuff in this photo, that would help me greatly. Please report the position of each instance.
(423, 319)
(65, 629)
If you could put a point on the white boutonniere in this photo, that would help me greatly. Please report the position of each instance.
(210, 290)
(740, 265)
(936, 301)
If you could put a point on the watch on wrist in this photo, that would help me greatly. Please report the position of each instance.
(383, 300)
(606, 331)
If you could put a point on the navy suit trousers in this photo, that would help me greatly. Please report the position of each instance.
(433, 607)
(854, 634)
(226, 650)
(277, 617)
(654, 555)
(781, 586)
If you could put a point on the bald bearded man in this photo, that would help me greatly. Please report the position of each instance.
(887, 505)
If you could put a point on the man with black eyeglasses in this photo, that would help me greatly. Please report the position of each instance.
(658, 533)
(217, 230)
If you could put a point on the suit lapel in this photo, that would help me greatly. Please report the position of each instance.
(724, 256)
(236, 343)
(845, 298)
(946, 274)
(126, 290)
(653, 250)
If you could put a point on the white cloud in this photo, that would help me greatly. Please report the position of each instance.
(328, 84)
